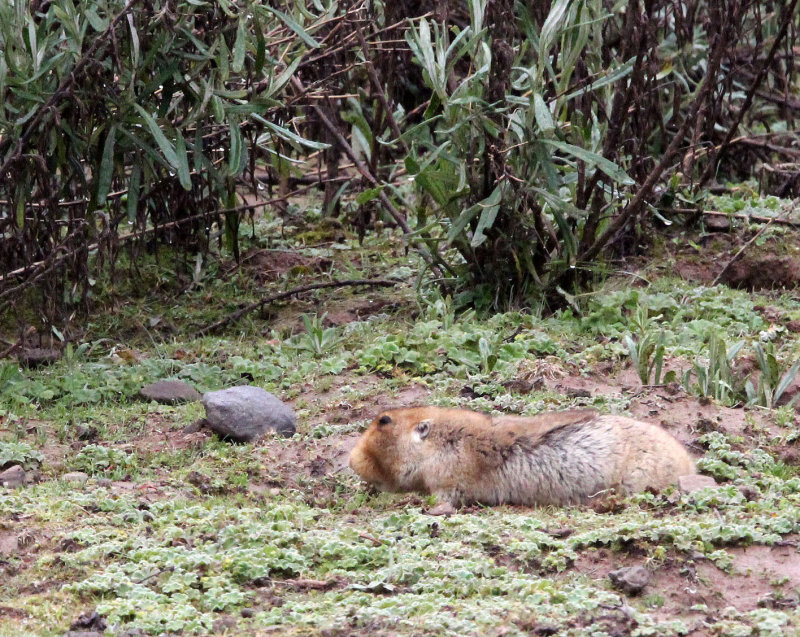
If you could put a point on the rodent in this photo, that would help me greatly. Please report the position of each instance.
(559, 458)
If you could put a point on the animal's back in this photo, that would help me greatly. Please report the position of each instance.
(572, 463)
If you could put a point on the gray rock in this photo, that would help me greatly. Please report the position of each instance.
(246, 413)
(630, 580)
(77, 477)
(170, 392)
(695, 482)
(12, 477)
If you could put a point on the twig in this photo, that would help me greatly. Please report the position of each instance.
(50, 104)
(636, 204)
(348, 150)
(379, 91)
(422, 248)
(374, 540)
(735, 215)
(307, 584)
(231, 318)
(139, 234)
(748, 100)
(168, 569)
(736, 256)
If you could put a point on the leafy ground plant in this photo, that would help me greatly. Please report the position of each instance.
(772, 382)
(195, 535)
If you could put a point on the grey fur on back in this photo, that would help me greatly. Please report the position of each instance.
(569, 464)
(565, 466)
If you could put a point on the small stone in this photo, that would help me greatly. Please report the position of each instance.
(9, 543)
(695, 482)
(104, 482)
(519, 386)
(170, 392)
(630, 580)
(247, 613)
(77, 477)
(246, 413)
(12, 477)
(90, 620)
(560, 533)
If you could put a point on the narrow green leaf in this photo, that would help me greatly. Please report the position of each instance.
(106, 167)
(286, 134)
(786, 380)
(183, 162)
(294, 26)
(368, 195)
(261, 50)
(237, 146)
(490, 206)
(542, 113)
(604, 165)
(134, 42)
(277, 84)
(98, 24)
(133, 192)
(163, 143)
(239, 47)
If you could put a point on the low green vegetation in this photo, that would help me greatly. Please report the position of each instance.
(180, 533)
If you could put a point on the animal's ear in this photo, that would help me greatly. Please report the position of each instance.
(423, 428)
(384, 420)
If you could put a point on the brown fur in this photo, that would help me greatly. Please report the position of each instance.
(558, 458)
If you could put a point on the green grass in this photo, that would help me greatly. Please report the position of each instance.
(303, 552)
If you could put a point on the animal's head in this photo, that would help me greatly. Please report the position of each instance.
(392, 451)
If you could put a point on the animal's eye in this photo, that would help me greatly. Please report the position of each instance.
(422, 429)
(384, 420)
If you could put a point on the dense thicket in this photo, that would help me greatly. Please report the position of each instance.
(539, 135)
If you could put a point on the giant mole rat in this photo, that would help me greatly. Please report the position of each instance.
(557, 458)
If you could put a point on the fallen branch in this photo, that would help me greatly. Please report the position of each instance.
(425, 253)
(232, 318)
(642, 195)
(735, 215)
(738, 255)
(50, 105)
(748, 100)
(56, 259)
